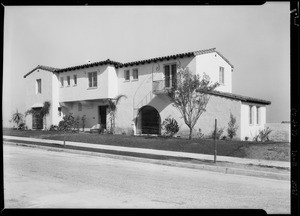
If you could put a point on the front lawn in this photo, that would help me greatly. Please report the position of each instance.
(241, 149)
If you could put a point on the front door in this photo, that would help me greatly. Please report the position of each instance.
(37, 122)
(102, 116)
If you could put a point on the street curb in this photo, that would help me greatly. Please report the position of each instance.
(225, 170)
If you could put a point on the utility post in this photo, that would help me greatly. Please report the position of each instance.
(215, 144)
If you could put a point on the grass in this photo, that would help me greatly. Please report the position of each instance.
(233, 148)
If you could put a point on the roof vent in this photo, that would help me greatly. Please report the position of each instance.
(88, 61)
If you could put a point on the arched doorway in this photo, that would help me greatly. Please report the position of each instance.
(148, 121)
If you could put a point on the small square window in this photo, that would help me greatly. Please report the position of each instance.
(127, 75)
(75, 79)
(135, 74)
(68, 80)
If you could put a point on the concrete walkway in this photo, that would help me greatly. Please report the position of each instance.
(281, 164)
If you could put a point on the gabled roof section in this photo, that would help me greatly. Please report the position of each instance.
(47, 68)
(240, 97)
(181, 55)
(106, 62)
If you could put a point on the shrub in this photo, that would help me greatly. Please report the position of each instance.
(218, 132)
(22, 126)
(264, 134)
(200, 134)
(232, 127)
(68, 123)
(53, 128)
(170, 127)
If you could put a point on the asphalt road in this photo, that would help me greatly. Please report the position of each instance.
(38, 178)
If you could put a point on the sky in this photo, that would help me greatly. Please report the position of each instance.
(255, 39)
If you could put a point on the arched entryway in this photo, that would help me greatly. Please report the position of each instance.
(148, 121)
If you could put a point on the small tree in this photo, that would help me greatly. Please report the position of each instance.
(17, 118)
(112, 105)
(191, 96)
(232, 127)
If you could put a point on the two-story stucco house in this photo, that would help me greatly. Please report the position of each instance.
(84, 90)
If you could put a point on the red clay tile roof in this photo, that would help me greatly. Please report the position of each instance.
(120, 65)
(181, 55)
(52, 69)
(240, 97)
(106, 62)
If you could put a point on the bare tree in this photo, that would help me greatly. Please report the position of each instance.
(190, 96)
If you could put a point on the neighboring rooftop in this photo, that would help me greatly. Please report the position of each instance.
(240, 97)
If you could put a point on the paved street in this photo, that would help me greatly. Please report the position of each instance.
(37, 178)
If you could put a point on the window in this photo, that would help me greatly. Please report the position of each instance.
(75, 79)
(92, 79)
(221, 75)
(170, 75)
(251, 114)
(68, 80)
(38, 86)
(61, 82)
(59, 111)
(135, 74)
(127, 75)
(79, 107)
(258, 115)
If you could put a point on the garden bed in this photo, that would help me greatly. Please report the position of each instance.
(243, 149)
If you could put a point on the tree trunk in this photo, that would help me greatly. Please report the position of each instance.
(190, 135)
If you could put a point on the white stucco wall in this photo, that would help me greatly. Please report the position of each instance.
(56, 117)
(251, 130)
(139, 92)
(33, 98)
(209, 64)
(106, 78)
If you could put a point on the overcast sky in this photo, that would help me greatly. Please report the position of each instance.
(255, 39)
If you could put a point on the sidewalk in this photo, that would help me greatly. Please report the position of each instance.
(282, 164)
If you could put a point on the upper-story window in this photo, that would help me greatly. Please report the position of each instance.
(170, 72)
(75, 79)
(61, 82)
(221, 75)
(135, 74)
(68, 80)
(38, 86)
(127, 75)
(92, 79)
